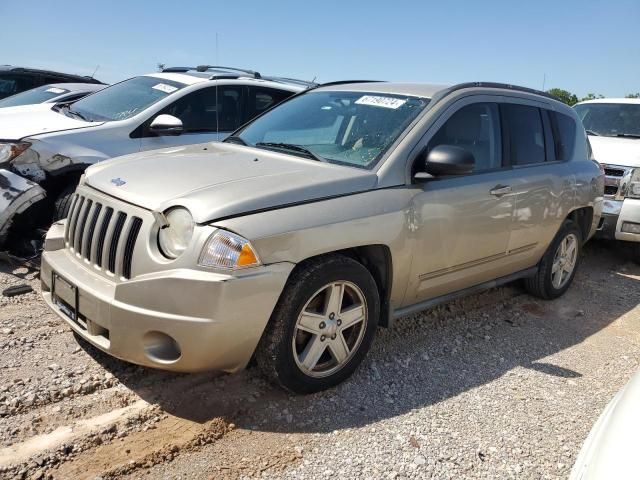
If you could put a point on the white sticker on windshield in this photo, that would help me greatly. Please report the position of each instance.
(163, 87)
(55, 90)
(377, 101)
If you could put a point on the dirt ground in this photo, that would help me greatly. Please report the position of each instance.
(497, 385)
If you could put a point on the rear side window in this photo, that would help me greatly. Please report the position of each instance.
(476, 128)
(564, 133)
(11, 84)
(261, 99)
(526, 134)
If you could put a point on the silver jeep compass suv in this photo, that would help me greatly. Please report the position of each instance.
(332, 214)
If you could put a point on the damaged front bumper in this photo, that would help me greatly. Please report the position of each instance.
(16, 195)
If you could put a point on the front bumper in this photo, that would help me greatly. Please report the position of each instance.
(615, 214)
(181, 320)
(16, 195)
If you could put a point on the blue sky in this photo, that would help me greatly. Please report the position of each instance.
(583, 46)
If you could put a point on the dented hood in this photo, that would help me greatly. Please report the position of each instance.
(616, 151)
(17, 123)
(219, 180)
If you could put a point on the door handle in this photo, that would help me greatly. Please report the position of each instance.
(500, 190)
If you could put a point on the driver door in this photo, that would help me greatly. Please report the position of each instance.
(463, 223)
(207, 115)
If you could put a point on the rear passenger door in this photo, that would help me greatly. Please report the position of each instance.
(542, 182)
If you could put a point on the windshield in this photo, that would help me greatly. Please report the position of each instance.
(31, 97)
(125, 99)
(350, 128)
(610, 119)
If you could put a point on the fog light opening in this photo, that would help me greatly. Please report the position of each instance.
(630, 227)
(160, 347)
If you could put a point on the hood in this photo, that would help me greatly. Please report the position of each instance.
(611, 449)
(219, 180)
(17, 123)
(616, 151)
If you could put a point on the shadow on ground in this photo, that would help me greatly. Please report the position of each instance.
(424, 359)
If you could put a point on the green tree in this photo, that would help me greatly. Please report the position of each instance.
(564, 96)
(633, 95)
(591, 96)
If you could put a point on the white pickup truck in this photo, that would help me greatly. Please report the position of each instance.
(613, 126)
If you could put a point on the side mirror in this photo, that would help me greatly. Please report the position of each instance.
(448, 160)
(166, 125)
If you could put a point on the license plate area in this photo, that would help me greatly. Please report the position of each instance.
(65, 296)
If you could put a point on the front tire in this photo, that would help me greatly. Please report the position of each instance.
(558, 265)
(322, 326)
(63, 203)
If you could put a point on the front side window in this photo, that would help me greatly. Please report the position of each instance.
(476, 128)
(211, 109)
(125, 99)
(33, 96)
(12, 84)
(610, 119)
(526, 134)
(349, 128)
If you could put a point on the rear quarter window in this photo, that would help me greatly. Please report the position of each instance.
(564, 133)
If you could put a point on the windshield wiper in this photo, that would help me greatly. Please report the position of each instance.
(293, 147)
(235, 139)
(628, 135)
(74, 113)
(591, 132)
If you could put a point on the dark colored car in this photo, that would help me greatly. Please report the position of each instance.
(18, 79)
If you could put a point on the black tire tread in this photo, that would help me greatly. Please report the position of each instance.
(538, 285)
(63, 203)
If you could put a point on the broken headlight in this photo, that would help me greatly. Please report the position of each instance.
(175, 236)
(9, 151)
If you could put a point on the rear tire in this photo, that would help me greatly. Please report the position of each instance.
(322, 326)
(558, 265)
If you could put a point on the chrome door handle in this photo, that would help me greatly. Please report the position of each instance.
(500, 190)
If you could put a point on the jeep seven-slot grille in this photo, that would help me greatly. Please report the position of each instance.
(101, 235)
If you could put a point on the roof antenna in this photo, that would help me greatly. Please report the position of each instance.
(544, 80)
(217, 98)
(93, 75)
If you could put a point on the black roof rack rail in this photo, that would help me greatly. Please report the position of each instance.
(344, 82)
(443, 93)
(304, 83)
(177, 69)
(206, 68)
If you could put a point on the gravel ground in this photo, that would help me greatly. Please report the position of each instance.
(497, 385)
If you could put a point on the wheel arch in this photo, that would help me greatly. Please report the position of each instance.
(583, 217)
(376, 258)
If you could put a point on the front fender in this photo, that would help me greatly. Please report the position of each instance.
(16, 195)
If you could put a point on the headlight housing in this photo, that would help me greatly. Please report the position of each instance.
(633, 190)
(9, 151)
(228, 251)
(175, 236)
